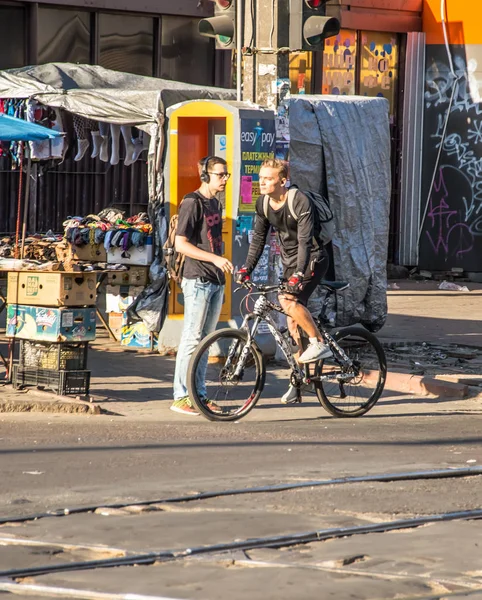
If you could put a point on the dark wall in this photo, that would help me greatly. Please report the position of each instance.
(452, 230)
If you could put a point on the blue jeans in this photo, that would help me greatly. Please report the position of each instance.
(202, 307)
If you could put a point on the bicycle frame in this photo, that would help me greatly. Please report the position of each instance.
(261, 312)
(278, 336)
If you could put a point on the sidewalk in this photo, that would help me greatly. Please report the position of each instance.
(420, 312)
(139, 385)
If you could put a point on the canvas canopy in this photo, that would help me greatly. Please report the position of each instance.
(104, 95)
(109, 96)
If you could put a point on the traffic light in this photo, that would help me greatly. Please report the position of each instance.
(221, 27)
(309, 26)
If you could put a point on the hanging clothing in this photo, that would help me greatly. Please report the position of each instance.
(51, 118)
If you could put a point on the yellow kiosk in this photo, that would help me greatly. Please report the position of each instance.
(244, 135)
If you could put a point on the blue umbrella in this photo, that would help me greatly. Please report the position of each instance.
(18, 130)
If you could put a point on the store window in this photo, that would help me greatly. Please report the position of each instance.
(126, 43)
(63, 35)
(12, 34)
(301, 67)
(339, 61)
(379, 66)
(185, 55)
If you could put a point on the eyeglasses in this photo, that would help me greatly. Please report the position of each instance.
(220, 175)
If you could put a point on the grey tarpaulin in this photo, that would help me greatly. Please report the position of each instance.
(340, 145)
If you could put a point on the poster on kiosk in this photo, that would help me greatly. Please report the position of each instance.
(244, 135)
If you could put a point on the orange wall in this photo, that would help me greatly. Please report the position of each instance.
(464, 21)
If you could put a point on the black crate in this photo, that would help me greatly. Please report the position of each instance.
(64, 383)
(53, 356)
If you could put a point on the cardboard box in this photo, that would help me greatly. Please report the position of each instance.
(115, 323)
(51, 324)
(134, 276)
(138, 336)
(119, 297)
(57, 288)
(89, 252)
(134, 256)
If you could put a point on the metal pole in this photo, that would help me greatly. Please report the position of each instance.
(27, 197)
(239, 48)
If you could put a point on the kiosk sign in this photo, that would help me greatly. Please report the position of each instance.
(258, 139)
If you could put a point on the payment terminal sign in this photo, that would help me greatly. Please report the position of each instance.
(258, 139)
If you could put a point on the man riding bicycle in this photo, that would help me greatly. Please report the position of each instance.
(304, 258)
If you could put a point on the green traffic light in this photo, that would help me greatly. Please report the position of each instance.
(221, 28)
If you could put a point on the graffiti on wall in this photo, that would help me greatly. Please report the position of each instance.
(452, 232)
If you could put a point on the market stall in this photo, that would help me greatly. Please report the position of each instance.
(104, 106)
(20, 131)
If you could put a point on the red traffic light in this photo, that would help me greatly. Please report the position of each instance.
(315, 3)
(225, 3)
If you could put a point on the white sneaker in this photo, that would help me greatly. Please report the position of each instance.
(315, 351)
(291, 396)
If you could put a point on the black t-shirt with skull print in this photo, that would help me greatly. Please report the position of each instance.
(201, 222)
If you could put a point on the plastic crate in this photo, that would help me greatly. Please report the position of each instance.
(64, 383)
(53, 356)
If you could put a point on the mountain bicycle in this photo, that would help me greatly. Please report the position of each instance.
(228, 368)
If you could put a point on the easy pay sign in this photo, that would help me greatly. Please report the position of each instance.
(258, 138)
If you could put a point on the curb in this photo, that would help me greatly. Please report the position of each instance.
(421, 385)
(37, 401)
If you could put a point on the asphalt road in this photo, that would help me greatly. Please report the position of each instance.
(58, 461)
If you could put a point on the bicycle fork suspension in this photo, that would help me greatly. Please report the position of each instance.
(246, 348)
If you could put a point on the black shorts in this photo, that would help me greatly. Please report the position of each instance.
(315, 272)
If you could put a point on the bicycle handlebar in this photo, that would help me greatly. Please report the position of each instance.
(263, 289)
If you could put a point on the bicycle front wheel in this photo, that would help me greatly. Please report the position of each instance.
(225, 377)
(351, 391)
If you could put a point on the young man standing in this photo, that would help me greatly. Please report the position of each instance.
(199, 238)
(304, 259)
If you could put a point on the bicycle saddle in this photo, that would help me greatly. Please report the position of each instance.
(334, 285)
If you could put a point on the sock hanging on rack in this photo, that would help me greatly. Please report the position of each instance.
(141, 143)
(104, 146)
(96, 143)
(80, 128)
(128, 142)
(115, 135)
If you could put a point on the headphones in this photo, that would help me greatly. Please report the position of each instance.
(205, 177)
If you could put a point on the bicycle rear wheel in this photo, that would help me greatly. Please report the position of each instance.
(353, 391)
(224, 382)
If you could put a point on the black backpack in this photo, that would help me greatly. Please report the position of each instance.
(321, 209)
